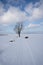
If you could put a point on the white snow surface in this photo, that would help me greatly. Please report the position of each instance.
(21, 51)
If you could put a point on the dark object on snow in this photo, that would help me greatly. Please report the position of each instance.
(26, 37)
(11, 41)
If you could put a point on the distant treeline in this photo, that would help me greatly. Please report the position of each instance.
(3, 34)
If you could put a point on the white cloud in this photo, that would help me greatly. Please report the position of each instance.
(33, 25)
(29, 8)
(35, 11)
(41, 23)
(1, 9)
(32, 28)
(14, 14)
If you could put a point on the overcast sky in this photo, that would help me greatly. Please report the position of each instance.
(30, 12)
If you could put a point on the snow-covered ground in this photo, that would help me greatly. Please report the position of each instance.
(21, 51)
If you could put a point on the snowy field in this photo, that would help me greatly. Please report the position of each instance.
(21, 51)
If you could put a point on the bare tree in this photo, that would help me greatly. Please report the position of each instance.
(18, 28)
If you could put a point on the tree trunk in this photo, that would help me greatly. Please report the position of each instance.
(19, 34)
